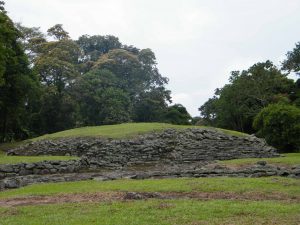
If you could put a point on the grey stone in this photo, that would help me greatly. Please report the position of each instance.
(11, 183)
(262, 163)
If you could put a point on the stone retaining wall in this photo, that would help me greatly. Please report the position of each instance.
(41, 168)
(185, 170)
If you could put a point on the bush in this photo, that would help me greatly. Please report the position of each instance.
(177, 114)
(279, 124)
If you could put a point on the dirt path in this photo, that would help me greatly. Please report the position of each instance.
(127, 196)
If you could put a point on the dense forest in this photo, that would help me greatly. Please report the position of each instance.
(50, 82)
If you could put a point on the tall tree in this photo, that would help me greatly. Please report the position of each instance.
(292, 62)
(57, 66)
(100, 99)
(32, 40)
(58, 32)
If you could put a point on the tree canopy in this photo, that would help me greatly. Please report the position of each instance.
(236, 104)
(54, 82)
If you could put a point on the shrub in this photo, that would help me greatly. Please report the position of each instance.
(279, 124)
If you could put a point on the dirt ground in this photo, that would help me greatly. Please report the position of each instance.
(128, 196)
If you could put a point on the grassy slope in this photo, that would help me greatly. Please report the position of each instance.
(267, 185)
(31, 159)
(122, 130)
(290, 159)
(158, 212)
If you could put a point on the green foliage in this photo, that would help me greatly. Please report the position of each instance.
(177, 114)
(58, 32)
(94, 80)
(32, 40)
(95, 46)
(235, 105)
(102, 101)
(292, 63)
(56, 63)
(151, 106)
(18, 85)
(280, 125)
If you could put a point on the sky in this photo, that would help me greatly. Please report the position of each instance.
(196, 42)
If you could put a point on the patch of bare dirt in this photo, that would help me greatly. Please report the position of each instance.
(63, 198)
(129, 196)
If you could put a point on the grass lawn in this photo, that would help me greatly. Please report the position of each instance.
(4, 159)
(268, 185)
(31, 159)
(158, 212)
(124, 130)
(290, 159)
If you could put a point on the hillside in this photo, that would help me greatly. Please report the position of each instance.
(125, 130)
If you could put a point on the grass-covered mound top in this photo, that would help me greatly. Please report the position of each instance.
(4, 159)
(125, 130)
(289, 159)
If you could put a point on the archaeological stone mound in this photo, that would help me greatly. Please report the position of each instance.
(173, 146)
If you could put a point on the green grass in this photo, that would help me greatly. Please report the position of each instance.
(4, 159)
(290, 159)
(267, 185)
(31, 159)
(158, 212)
(122, 130)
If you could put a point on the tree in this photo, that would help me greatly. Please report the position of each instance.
(100, 99)
(150, 106)
(235, 105)
(56, 64)
(292, 63)
(279, 124)
(32, 40)
(208, 111)
(177, 114)
(95, 46)
(136, 73)
(18, 85)
(58, 32)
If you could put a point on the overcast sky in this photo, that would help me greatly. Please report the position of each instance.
(197, 42)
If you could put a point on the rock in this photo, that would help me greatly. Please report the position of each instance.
(133, 196)
(261, 163)
(11, 183)
(6, 168)
(29, 166)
